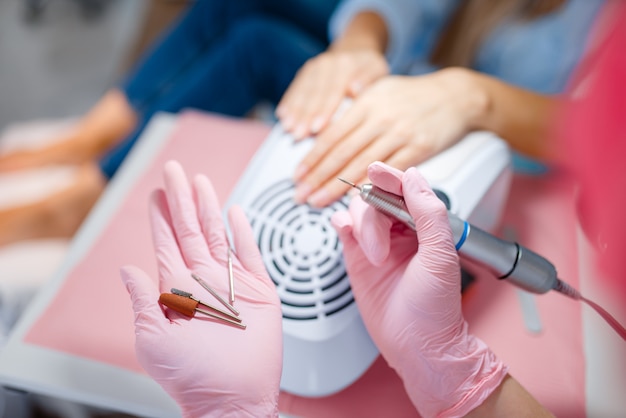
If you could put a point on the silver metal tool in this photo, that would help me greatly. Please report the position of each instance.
(505, 259)
(188, 306)
(231, 277)
(215, 308)
(214, 293)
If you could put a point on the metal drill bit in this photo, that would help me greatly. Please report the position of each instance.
(215, 308)
(349, 183)
(214, 293)
(189, 306)
(231, 278)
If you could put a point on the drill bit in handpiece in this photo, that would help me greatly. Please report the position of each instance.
(505, 259)
(388, 203)
(350, 183)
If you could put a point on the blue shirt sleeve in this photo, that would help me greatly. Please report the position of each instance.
(409, 24)
(540, 54)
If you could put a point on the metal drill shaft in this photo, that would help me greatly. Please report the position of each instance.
(506, 260)
(215, 308)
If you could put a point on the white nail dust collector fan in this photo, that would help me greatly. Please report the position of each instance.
(326, 346)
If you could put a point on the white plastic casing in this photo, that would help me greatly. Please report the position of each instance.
(326, 346)
(476, 175)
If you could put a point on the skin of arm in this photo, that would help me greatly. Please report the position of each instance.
(110, 120)
(521, 117)
(366, 31)
(510, 399)
(107, 122)
(59, 214)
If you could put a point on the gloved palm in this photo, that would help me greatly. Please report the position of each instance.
(408, 293)
(209, 367)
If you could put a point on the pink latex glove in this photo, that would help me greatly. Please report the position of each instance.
(208, 367)
(409, 296)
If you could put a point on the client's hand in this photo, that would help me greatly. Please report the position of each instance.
(209, 367)
(321, 85)
(408, 290)
(399, 120)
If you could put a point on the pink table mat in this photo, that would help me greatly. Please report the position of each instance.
(91, 316)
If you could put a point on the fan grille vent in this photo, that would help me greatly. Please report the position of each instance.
(301, 252)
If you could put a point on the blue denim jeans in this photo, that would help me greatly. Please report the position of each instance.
(224, 56)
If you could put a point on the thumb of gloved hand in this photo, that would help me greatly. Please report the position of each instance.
(144, 295)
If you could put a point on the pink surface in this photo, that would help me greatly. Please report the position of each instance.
(98, 325)
(92, 316)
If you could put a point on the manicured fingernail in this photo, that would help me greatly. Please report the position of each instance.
(301, 193)
(316, 125)
(300, 131)
(319, 198)
(356, 87)
(287, 123)
(301, 170)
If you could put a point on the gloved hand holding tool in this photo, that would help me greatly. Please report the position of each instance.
(408, 292)
(209, 366)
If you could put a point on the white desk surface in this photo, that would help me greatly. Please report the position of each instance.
(47, 372)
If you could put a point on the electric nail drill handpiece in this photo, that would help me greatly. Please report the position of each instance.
(505, 259)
